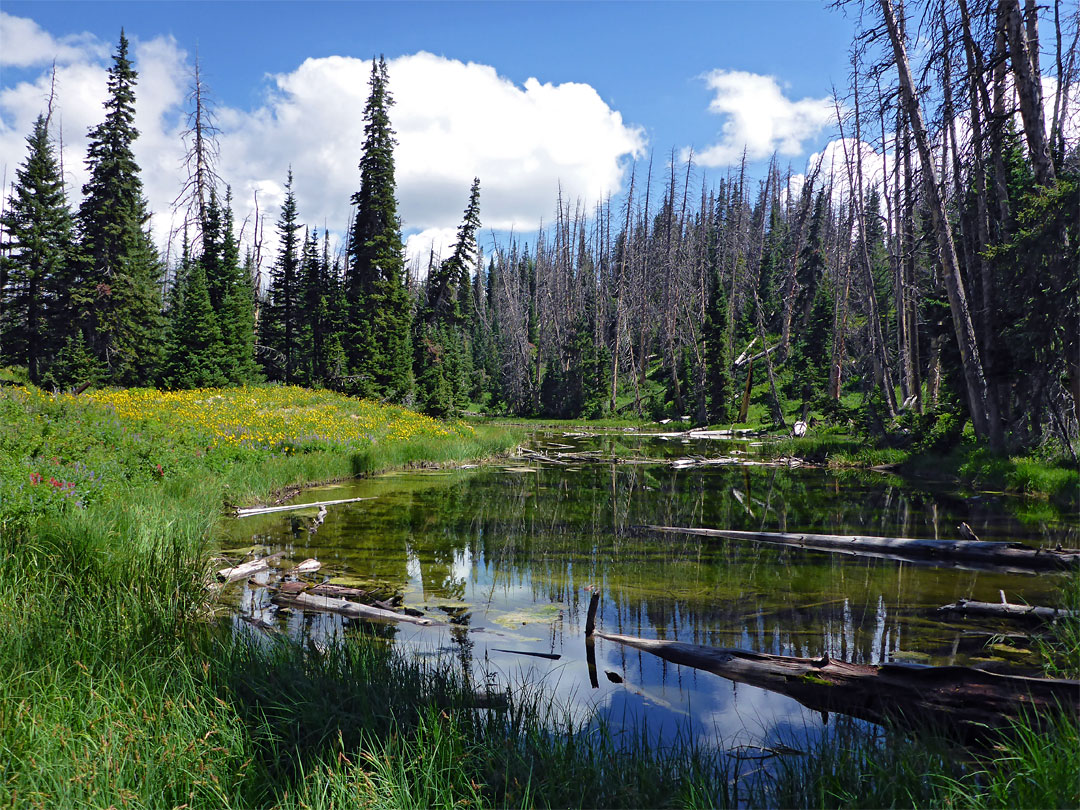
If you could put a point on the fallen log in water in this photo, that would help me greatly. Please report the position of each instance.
(969, 701)
(353, 610)
(248, 511)
(1005, 610)
(323, 589)
(247, 569)
(308, 566)
(1015, 556)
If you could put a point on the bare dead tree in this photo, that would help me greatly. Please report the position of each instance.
(200, 159)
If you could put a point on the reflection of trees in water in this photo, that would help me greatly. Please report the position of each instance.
(559, 529)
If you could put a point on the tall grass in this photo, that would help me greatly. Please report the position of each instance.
(117, 691)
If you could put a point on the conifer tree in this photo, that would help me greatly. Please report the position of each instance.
(718, 381)
(279, 326)
(443, 360)
(194, 350)
(119, 294)
(37, 261)
(236, 315)
(379, 304)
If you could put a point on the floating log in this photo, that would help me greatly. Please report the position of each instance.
(353, 610)
(308, 566)
(247, 569)
(265, 510)
(985, 552)
(1005, 610)
(969, 701)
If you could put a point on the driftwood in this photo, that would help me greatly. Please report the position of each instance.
(307, 567)
(967, 700)
(970, 701)
(265, 510)
(323, 589)
(1005, 610)
(353, 610)
(247, 569)
(1015, 556)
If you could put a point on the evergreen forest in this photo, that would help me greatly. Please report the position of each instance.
(939, 288)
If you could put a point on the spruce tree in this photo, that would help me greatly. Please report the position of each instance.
(194, 349)
(379, 305)
(279, 325)
(119, 295)
(37, 261)
(236, 315)
(442, 335)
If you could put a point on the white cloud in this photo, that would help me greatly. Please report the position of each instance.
(454, 121)
(759, 118)
(23, 43)
(81, 92)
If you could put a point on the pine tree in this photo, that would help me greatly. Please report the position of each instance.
(120, 290)
(37, 261)
(279, 326)
(444, 323)
(194, 349)
(236, 315)
(379, 306)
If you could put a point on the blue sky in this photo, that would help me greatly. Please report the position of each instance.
(527, 95)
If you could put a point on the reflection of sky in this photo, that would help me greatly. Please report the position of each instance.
(479, 547)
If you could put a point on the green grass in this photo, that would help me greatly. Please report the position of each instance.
(119, 690)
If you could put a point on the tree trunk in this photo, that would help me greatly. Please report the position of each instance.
(1024, 50)
(984, 411)
(954, 699)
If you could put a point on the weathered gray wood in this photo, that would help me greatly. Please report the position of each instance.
(1010, 555)
(307, 567)
(245, 570)
(1005, 610)
(265, 510)
(969, 701)
(323, 589)
(353, 610)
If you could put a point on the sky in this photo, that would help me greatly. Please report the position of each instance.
(531, 97)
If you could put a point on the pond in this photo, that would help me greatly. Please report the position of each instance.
(507, 555)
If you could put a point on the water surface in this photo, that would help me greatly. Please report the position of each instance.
(507, 556)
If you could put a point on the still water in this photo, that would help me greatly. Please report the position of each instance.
(507, 555)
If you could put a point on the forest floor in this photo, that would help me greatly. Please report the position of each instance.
(120, 691)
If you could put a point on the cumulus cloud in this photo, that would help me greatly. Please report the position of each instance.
(81, 92)
(454, 121)
(26, 44)
(759, 118)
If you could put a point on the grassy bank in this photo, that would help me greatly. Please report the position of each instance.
(119, 692)
(1055, 478)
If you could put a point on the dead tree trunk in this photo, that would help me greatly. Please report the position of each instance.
(984, 411)
(961, 700)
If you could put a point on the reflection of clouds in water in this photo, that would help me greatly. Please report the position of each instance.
(681, 701)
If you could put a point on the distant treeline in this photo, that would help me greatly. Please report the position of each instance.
(944, 278)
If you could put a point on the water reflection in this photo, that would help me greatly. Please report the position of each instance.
(506, 557)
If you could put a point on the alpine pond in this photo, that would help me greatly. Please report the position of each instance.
(506, 556)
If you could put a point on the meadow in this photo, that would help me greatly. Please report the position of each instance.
(121, 689)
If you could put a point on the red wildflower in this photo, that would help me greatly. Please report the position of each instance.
(54, 482)
(35, 478)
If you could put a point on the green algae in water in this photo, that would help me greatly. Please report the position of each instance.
(539, 614)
